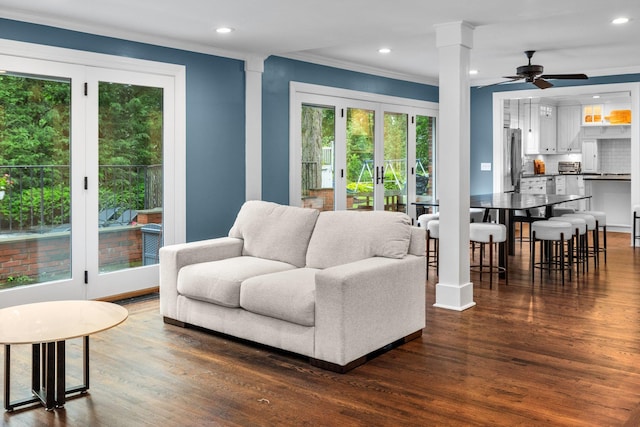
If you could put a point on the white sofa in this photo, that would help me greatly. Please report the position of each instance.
(334, 286)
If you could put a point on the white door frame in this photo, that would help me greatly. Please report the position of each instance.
(79, 66)
(304, 93)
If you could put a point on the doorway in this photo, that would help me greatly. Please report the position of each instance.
(83, 165)
(358, 154)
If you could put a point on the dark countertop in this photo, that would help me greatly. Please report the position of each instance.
(608, 177)
(588, 176)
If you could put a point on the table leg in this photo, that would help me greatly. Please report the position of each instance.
(50, 373)
(85, 361)
(7, 375)
(35, 367)
(60, 374)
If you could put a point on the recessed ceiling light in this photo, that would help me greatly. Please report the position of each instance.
(596, 96)
(384, 50)
(473, 72)
(224, 30)
(621, 20)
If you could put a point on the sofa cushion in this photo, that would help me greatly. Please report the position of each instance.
(273, 231)
(288, 295)
(341, 237)
(219, 282)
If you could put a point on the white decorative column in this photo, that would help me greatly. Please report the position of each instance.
(253, 69)
(454, 289)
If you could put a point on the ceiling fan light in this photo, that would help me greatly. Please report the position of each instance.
(619, 21)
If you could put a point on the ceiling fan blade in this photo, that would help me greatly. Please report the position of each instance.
(501, 83)
(513, 77)
(565, 76)
(542, 83)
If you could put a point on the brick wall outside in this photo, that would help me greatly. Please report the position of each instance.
(45, 256)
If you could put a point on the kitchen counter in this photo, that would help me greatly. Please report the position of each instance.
(608, 177)
(611, 194)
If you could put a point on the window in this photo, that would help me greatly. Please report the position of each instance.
(353, 150)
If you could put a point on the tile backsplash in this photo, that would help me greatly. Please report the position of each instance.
(614, 155)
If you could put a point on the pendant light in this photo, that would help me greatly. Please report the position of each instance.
(529, 115)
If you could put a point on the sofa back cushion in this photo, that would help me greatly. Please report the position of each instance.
(346, 236)
(275, 232)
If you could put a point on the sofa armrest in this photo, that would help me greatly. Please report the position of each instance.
(174, 257)
(365, 305)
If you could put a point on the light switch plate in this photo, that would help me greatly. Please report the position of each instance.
(485, 166)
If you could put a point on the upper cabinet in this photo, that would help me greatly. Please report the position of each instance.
(606, 121)
(539, 133)
(609, 114)
(569, 127)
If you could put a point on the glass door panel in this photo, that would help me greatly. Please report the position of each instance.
(425, 159)
(35, 176)
(318, 157)
(395, 161)
(361, 167)
(130, 145)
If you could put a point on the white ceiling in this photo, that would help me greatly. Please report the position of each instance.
(570, 36)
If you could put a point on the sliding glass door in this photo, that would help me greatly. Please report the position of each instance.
(81, 179)
(126, 137)
(362, 155)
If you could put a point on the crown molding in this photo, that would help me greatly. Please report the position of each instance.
(344, 65)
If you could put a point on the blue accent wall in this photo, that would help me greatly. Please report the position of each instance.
(215, 119)
(215, 144)
(278, 73)
(482, 123)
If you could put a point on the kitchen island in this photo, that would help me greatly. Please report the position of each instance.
(611, 193)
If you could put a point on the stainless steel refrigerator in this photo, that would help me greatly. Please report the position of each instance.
(512, 159)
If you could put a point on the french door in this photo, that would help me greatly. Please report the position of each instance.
(354, 154)
(82, 154)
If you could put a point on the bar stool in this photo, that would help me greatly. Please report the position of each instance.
(579, 225)
(476, 215)
(552, 236)
(423, 222)
(424, 219)
(488, 233)
(433, 233)
(636, 217)
(525, 217)
(559, 211)
(601, 224)
(591, 226)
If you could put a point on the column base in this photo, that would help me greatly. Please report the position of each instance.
(454, 297)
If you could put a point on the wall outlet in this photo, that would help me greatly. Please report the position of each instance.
(485, 166)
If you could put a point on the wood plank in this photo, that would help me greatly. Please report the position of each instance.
(545, 354)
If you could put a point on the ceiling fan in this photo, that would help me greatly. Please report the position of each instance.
(533, 74)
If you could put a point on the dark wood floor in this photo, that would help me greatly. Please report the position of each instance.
(525, 355)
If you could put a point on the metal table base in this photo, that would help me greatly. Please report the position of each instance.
(48, 370)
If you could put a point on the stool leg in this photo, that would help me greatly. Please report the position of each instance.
(532, 245)
(562, 257)
(490, 261)
(428, 250)
(604, 236)
(635, 220)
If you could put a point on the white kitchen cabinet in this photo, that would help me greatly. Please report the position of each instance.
(569, 127)
(590, 161)
(540, 128)
(571, 184)
(533, 185)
